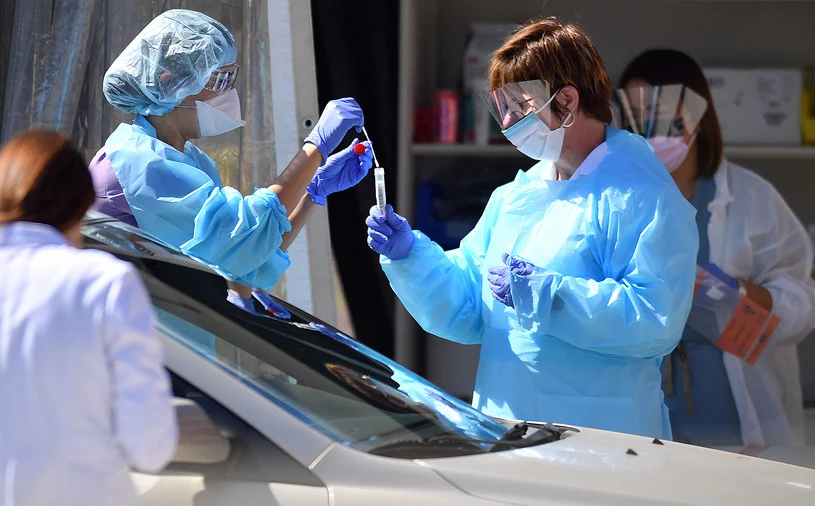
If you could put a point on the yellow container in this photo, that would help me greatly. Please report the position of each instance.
(808, 107)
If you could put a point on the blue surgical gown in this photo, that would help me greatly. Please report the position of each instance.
(179, 198)
(615, 256)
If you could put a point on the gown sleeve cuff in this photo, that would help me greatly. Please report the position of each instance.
(279, 213)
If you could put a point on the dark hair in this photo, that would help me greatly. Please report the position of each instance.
(43, 179)
(667, 66)
(561, 55)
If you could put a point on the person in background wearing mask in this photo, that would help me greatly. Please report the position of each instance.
(750, 239)
(578, 277)
(178, 77)
(83, 391)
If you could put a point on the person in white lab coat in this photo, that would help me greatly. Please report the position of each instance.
(749, 238)
(83, 392)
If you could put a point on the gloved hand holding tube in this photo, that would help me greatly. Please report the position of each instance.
(732, 321)
(341, 171)
(248, 305)
(270, 305)
(500, 277)
(338, 117)
(389, 234)
(721, 275)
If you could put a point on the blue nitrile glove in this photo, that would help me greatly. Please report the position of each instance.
(498, 279)
(270, 305)
(337, 118)
(247, 305)
(389, 236)
(340, 172)
(724, 278)
(517, 266)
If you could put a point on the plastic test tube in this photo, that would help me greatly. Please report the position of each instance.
(379, 179)
(379, 183)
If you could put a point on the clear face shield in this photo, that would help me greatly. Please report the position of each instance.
(668, 116)
(671, 110)
(512, 102)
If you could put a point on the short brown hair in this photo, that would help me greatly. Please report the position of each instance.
(561, 55)
(659, 67)
(43, 179)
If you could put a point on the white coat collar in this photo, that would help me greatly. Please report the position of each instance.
(717, 207)
(588, 166)
(722, 196)
(592, 161)
(20, 233)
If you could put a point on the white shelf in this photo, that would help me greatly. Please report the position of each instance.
(442, 150)
(507, 150)
(800, 152)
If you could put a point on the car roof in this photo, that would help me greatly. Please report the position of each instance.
(106, 233)
(95, 222)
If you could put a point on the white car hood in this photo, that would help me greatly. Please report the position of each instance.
(594, 467)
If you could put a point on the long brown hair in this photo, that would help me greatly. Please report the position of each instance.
(561, 55)
(666, 66)
(43, 179)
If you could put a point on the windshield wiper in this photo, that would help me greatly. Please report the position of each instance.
(514, 437)
(418, 448)
(516, 432)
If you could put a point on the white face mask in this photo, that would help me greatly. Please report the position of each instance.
(534, 139)
(220, 114)
(671, 151)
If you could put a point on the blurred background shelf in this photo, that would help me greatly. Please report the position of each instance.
(777, 152)
(507, 150)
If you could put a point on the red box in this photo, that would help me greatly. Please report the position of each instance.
(446, 115)
(423, 126)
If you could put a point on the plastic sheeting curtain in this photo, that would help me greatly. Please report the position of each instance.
(48, 56)
(58, 52)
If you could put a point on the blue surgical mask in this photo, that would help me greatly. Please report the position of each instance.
(536, 140)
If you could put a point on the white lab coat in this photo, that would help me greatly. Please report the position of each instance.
(755, 236)
(83, 392)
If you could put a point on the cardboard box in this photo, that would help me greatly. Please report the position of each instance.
(757, 106)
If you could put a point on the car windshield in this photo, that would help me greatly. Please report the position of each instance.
(328, 380)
